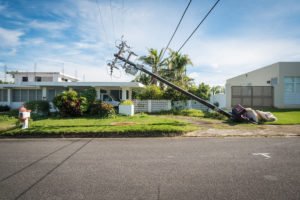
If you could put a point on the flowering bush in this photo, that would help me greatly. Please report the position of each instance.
(126, 102)
(70, 104)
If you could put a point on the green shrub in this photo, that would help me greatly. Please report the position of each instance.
(214, 115)
(38, 107)
(102, 110)
(13, 113)
(127, 102)
(70, 104)
(151, 92)
(4, 108)
(190, 113)
(90, 95)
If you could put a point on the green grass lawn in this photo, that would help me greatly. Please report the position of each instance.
(138, 125)
(7, 122)
(142, 125)
(286, 116)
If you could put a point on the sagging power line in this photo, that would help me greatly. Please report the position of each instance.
(198, 26)
(112, 19)
(101, 20)
(176, 28)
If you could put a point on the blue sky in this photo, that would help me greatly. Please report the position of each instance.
(70, 35)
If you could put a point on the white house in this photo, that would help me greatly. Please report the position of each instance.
(276, 85)
(30, 86)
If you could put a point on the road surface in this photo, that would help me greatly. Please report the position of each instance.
(150, 168)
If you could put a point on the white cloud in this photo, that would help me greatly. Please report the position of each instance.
(34, 41)
(145, 25)
(10, 38)
(48, 25)
(239, 55)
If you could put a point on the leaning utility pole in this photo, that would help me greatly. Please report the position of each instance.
(132, 68)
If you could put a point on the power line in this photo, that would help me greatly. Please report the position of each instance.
(176, 28)
(198, 25)
(101, 19)
(112, 19)
(123, 18)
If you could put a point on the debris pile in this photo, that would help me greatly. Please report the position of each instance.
(239, 113)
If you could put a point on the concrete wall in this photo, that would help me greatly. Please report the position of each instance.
(260, 77)
(286, 69)
(31, 77)
(220, 98)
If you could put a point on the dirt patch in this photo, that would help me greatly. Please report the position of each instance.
(218, 128)
(122, 123)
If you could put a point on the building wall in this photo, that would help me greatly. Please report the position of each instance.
(220, 98)
(259, 77)
(287, 69)
(15, 97)
(272, 75)
(31, 77)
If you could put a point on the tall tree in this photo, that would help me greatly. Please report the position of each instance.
(155, 61)
(176, 68)
(217, 89)
(203, 91)
(143, 78)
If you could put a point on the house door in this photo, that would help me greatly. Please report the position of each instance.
(252, 96)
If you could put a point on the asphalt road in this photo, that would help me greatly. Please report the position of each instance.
(150, 168)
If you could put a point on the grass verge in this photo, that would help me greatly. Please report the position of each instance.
(286, 116)
(138, 126)
(7, 122)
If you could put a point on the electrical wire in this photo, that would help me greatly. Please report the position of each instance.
(123, 18)
(176, 28)
(198, 26)
(112, 19)
(101, 19)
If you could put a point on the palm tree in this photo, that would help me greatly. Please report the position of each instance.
(217, 89)
(155, 60)
(176, 71)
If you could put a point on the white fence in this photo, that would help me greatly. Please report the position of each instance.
(189, 104)
(220, 98)
(151, 106)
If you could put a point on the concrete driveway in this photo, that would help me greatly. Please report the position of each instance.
(150, 168)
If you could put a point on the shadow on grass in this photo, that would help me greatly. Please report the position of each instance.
(230, 122)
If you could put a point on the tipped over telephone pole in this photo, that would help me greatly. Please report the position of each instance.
(132, 68)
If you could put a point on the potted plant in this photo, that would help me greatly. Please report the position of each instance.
(126, 108)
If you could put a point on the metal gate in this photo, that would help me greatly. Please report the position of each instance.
(252, 96)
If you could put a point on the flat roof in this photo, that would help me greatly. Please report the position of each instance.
(59, 73)
(74, 84)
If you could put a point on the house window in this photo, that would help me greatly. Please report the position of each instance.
(23, 95)
(51, 93)
(292, 84)
(38, 79)
(35, 95)
(16, 95)
(24, 79)
(3, 95)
